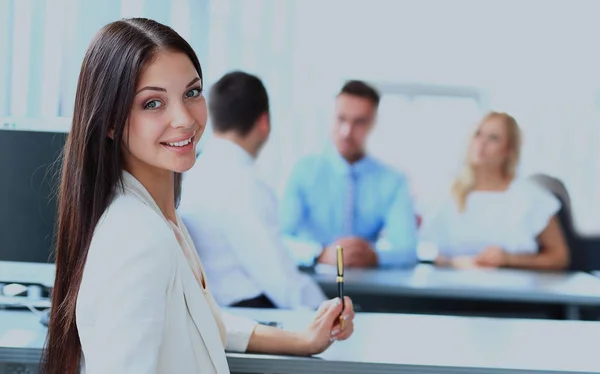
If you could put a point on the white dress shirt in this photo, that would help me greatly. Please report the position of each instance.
(232, 217)
(511, 219)
(140, 309)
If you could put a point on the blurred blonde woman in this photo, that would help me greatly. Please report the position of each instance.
(492, 218)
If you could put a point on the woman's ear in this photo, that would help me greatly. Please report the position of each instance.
(111, 133)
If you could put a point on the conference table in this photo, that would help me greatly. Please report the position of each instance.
(569, 290)
(382, 343)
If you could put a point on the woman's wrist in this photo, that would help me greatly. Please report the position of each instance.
(273, 340)
(302, 344)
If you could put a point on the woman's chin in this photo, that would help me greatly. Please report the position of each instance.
(182, 167)
(477, 162)
(182, 162)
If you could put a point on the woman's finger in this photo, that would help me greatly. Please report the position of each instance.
(326, 305)
(348, 308)
(344, 334)
(327, 315)
(332, 313)
(322, 308)
(348, 313)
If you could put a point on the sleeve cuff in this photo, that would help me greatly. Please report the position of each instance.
(239, 330)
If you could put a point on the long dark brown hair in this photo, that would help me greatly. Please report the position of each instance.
(93, 163)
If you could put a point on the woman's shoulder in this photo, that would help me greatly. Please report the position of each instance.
(130, 248)
(126, 211)
(541, 202)
(128, 223)
(525, 185)
(532, 190)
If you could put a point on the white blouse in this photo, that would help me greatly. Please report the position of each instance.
(187, 246)
(511, 219)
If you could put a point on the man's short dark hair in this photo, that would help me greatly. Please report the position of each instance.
(236, 101)
(361, 89)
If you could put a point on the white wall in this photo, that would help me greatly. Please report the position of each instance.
(535, 59)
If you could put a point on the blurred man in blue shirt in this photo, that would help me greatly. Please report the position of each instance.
(343, 196)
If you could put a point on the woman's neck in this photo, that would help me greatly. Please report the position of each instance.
(491, 180)
(161, 186)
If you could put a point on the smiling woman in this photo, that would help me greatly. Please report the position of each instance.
(139, 112)
(167, 118)
(129, 284)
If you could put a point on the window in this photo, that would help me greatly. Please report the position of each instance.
(46, 42)
(5, 48)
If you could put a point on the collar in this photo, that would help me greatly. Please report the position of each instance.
(134, 186)
(196, 304)
(342, 166)
(131, 185)
(227, 151)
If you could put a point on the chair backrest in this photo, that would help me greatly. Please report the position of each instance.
(565, 216)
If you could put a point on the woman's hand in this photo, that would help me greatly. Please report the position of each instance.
(442, 261)
(458, 262)
(492, 257)
(464, 262)
(328, 326)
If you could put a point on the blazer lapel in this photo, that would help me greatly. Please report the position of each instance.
(200, 312)
(197, 306)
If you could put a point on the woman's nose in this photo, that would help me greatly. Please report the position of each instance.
(181, 116)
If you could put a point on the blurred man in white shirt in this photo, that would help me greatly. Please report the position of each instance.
(229, 210)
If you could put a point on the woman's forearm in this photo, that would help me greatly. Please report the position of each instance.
(540, 261)
(272, 340)
(553, 253)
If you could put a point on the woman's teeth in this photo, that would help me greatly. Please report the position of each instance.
(181, 143)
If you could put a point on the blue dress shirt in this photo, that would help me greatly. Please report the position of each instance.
(327, 198)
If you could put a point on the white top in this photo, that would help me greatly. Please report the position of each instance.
(232, 217)
(140, 309)
(196, 266)
(511, 219)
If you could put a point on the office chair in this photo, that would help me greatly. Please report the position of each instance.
(565, 217)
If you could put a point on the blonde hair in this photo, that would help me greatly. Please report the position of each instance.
(465, 182)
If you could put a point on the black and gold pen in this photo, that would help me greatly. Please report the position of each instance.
(340, 277)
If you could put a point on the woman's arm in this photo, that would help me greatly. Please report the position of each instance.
(322, 332)
(553, 253)
(272, 340)
(127, 327)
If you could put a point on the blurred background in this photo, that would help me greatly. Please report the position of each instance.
(439, 66)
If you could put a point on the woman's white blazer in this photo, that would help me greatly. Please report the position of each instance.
(139, 308)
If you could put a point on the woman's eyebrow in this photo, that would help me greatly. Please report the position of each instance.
(151, 88)
(192, 82)
(160, 89)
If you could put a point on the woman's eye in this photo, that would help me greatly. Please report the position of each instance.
(154, 104)
(194, 92)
